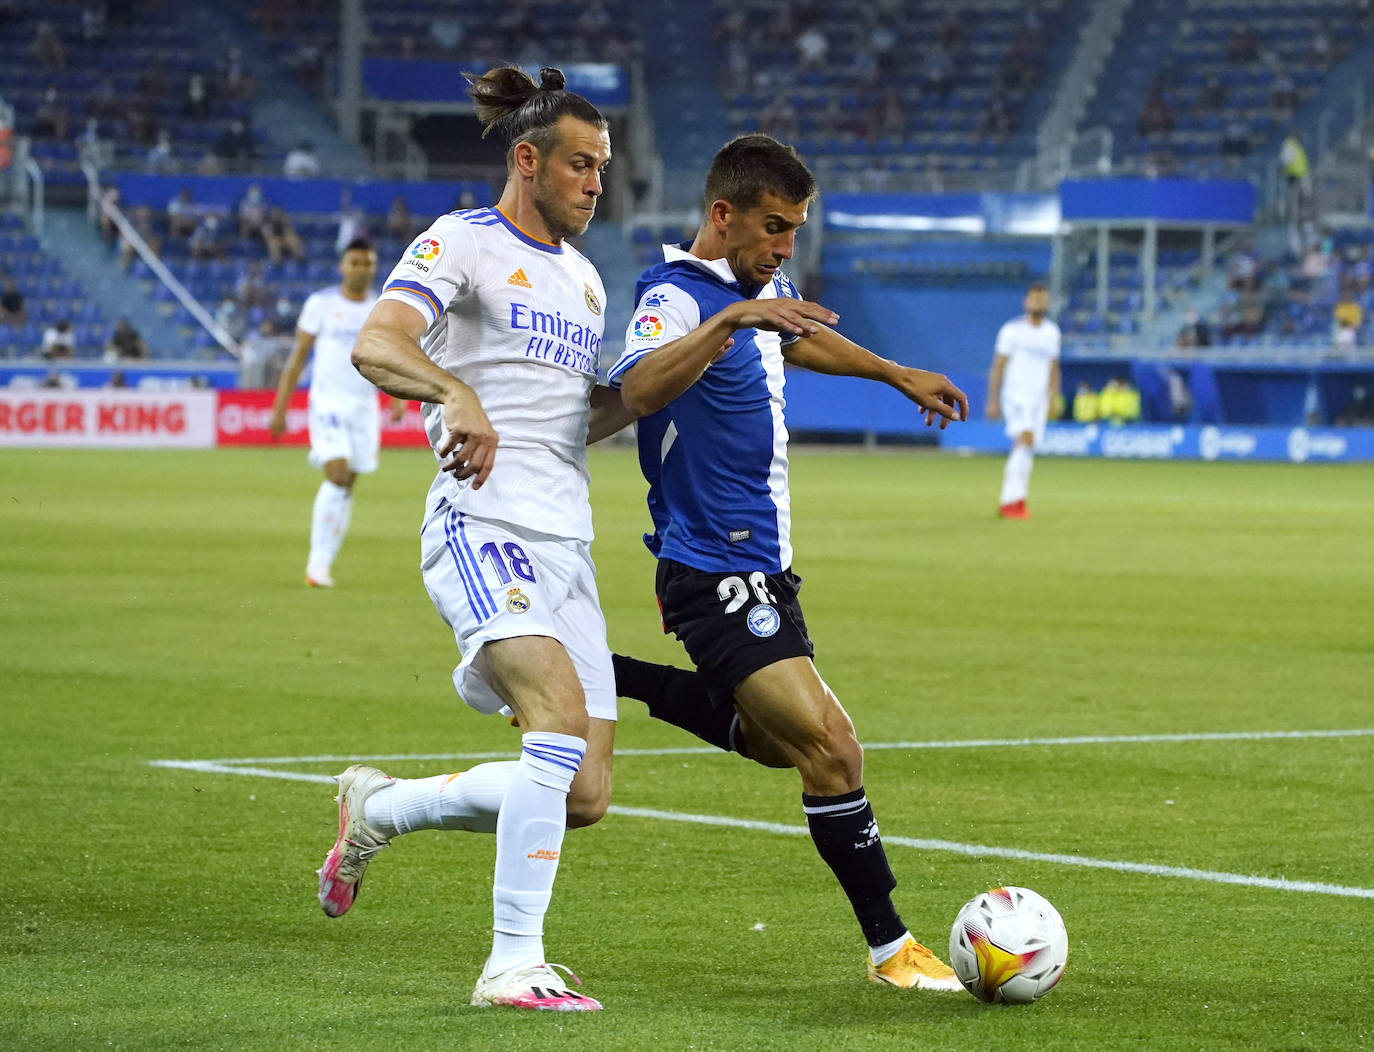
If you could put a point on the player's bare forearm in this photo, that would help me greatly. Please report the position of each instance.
(390, 359)
(609, 414)
(995, 386)
(826, 351)
(666, 372)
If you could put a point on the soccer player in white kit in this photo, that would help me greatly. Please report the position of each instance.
(1022, 385)
(345, 424)
(495, 323)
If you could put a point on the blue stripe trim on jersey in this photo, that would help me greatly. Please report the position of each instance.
(550, 759)
(414, 288)
(451, 544)
(470, 214)
(620, 368)
(533, 242)
(463, 537)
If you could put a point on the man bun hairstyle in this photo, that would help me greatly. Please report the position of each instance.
(750, 166)
(510, 103)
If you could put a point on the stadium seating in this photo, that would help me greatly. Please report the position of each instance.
(49, 296)
(1213, 78)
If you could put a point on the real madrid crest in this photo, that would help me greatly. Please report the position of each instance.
(593, 304)
(517, 602)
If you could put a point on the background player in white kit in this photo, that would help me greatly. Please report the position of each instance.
(345, 427)
(495, 323)
(1023, 384)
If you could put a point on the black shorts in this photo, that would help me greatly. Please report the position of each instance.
(732, 625)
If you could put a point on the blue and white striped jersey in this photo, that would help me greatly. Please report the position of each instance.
(715, 457)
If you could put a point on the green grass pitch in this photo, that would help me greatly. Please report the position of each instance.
(152, 608)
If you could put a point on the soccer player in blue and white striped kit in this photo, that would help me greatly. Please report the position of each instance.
(703, 368)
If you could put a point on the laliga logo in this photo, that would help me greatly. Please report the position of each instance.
(648, 326)
(426, 250)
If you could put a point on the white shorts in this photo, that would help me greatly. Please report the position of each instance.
(343, 433)
(1023, 415)
(492, 580)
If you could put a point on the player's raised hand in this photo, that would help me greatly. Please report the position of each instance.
(796, 317)
(936, 394)
(469, 444)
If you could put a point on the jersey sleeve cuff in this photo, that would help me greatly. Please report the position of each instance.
(620, 368)
(415, 294)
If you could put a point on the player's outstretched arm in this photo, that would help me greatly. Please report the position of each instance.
(999, 364)
(388, 354)
(828, 352)
(290, 377)
(666, 372)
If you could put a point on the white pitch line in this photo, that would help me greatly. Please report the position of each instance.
(988, 851)
(965, 743)
(946, 846)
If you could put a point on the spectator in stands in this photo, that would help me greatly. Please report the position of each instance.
(235, 144)
(51, 118)
(951, 33)
(307, 63)
(1212, 97)
(182, 214)
(103, 101)
(13, 310)
(117, 381)
(1359, 411)
(937, 73)
(447, 32)
(59, 340)
(281, 238)
(400, 224)
(93, 22)
(136, 112)
(352, 222)
(301, 162)
(1283, 95)
(996, 120)
(813, 48)
(1235, 139)
(162, 158)
(1244, 271)
(1242, 46)
(91, 148)
(125, 343)
(1194, 333)
(252, 212)
(1347, 317)
(252, 289)
(207, 240)
(264, 353)
(58, 380)
(1321, 51)
(1155, 116)
(892, 115)
(232, 318)
(197, 100)
(1119, 402)
(1084, 403)
(1297, 176)
(232, 79)
(595, 20)
(48, 49)
(144, 224)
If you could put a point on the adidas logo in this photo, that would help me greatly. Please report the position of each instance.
(518, 278)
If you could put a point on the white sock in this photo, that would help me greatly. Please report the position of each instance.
(328, 524)
(1016, 475)
(469, 800)
(529, 837)
(888, 949)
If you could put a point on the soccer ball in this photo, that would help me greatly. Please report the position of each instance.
(1008, 945)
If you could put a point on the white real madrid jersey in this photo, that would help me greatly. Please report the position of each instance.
(519, 321)
(1029, 350)
(335, 320)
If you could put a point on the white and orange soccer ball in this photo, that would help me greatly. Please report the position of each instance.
(1008, 945)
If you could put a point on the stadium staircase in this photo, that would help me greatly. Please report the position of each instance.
(282, 108)
(1102, 22)
(69, 236)
(690, 122)
(1342, 170)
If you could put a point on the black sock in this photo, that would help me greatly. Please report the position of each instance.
(681, 698)
(846, 836)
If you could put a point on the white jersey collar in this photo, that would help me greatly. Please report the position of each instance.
(719, 268)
